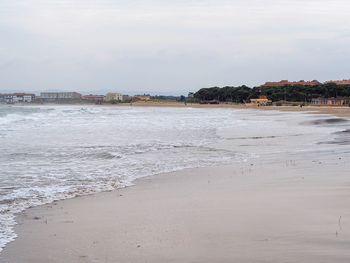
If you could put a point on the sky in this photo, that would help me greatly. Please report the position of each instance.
(169, 47)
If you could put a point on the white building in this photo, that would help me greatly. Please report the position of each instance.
(114, 96)
(17, 98)
(55, 96)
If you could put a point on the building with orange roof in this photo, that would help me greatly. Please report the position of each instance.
(261, 101)
(291, 83)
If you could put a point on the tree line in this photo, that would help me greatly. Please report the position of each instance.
(295, 93)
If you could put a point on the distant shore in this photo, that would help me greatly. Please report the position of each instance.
(332, 110)
(338, 111)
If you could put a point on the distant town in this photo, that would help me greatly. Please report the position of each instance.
(284, 92)
(75, 97)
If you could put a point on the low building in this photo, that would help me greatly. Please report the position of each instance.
(59, 96)
(17, 98)
(261, 101)
(339, 101)
(114, 96)
(94, 98)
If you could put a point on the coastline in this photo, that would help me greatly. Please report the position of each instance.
(336, 111)
(236, 194)
(331, 110)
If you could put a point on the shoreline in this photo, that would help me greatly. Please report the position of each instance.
(34, 224)
(337, 111)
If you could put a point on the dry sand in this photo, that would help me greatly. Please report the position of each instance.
(336, 111)
(275, 210)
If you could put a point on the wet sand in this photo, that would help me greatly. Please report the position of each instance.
(343, 112)
(269, 210)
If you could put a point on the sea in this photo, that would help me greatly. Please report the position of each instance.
(50, 153)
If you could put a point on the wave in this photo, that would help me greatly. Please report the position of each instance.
(328, 121)
(20, 199)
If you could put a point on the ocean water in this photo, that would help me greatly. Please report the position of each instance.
(50, 153)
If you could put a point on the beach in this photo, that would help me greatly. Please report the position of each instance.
(280, 212)
(289, 204)
(342, 111)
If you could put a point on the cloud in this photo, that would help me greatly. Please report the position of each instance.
(170, 46)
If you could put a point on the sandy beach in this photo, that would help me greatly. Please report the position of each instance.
(279, 208)
(335, 111)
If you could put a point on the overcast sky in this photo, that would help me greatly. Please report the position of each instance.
(169, 47)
